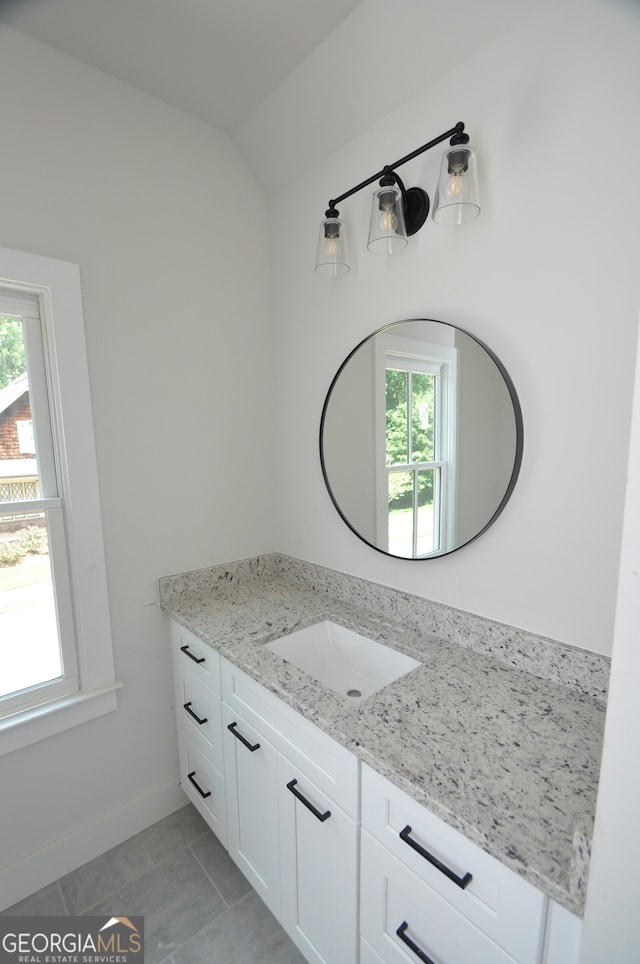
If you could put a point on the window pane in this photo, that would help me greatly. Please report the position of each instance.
(18, 467)
(12, 350)
(426, 520)
(401, 514)
(397, 446)
(29, 647)
(422, 417)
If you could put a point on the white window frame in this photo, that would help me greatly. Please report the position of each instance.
(92, 684)
(442, 360)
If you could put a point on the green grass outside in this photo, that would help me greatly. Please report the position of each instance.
(30, 570)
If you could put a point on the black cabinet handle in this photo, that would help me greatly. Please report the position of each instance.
(204, 794)
(460, 881)
(185, 650)
(187, 707)
(321, 816)
(410, 944)
(250, 746)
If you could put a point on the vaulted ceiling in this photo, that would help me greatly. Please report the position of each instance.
(258, 68)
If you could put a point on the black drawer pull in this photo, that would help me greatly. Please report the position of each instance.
(185, 650)
(460, 881)
(187, 707)
(202, 793)
(414, 947)
(321, 816)
(250, 746)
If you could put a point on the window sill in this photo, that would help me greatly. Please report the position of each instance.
(37, 724)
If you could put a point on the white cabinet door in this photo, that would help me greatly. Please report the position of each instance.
(367, 954)
(252, 806)
(564, 936)
(292, 811)
(319, 852)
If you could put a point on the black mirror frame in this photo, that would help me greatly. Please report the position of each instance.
(517, 462)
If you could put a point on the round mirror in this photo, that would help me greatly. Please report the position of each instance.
(420, 439)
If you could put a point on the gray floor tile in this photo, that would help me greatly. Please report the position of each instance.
(246, 933)
(174, 874)
(129, 860)
(176, 899)
(220, 868)
(46, 902)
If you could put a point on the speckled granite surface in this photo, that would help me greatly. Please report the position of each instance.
(509, 758)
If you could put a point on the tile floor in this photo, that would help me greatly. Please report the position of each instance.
(197, 906)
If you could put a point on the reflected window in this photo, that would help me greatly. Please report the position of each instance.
(420, 439)
(416, 503)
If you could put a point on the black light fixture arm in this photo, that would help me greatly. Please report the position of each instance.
(453, 132)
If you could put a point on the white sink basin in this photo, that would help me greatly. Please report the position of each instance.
(342, 660)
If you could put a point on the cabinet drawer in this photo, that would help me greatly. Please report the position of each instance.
(203, 784)
(403, 918)
(191, 653)
(327, 764)
(496, 900)
(198, 712)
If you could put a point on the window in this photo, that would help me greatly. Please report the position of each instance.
(416, 428)
(26, 440)
(56, 659)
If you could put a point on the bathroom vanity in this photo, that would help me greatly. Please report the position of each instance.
(444, 818)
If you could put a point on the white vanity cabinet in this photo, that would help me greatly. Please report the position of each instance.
(196, 671)
(428, 894)
(355, 870)
(292, 805)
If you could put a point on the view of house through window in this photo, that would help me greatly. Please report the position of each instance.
(30, 650)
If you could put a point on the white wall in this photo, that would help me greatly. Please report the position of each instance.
(169, 230)
(349, 447)
(487, 441)
(612, 924)
(546, 277)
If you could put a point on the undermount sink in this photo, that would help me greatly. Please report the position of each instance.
(342, 660)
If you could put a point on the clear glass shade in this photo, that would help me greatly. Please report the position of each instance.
(387, 231)
(332, 256)
(457, 198)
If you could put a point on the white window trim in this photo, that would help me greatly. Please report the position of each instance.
(57, 286)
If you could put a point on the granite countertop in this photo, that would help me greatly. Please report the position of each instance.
(506, 757)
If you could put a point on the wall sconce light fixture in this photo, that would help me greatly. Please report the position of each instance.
(398, 212)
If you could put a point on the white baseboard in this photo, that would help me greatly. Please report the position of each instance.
(35, 870)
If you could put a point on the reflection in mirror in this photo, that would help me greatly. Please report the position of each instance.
(420, 439)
